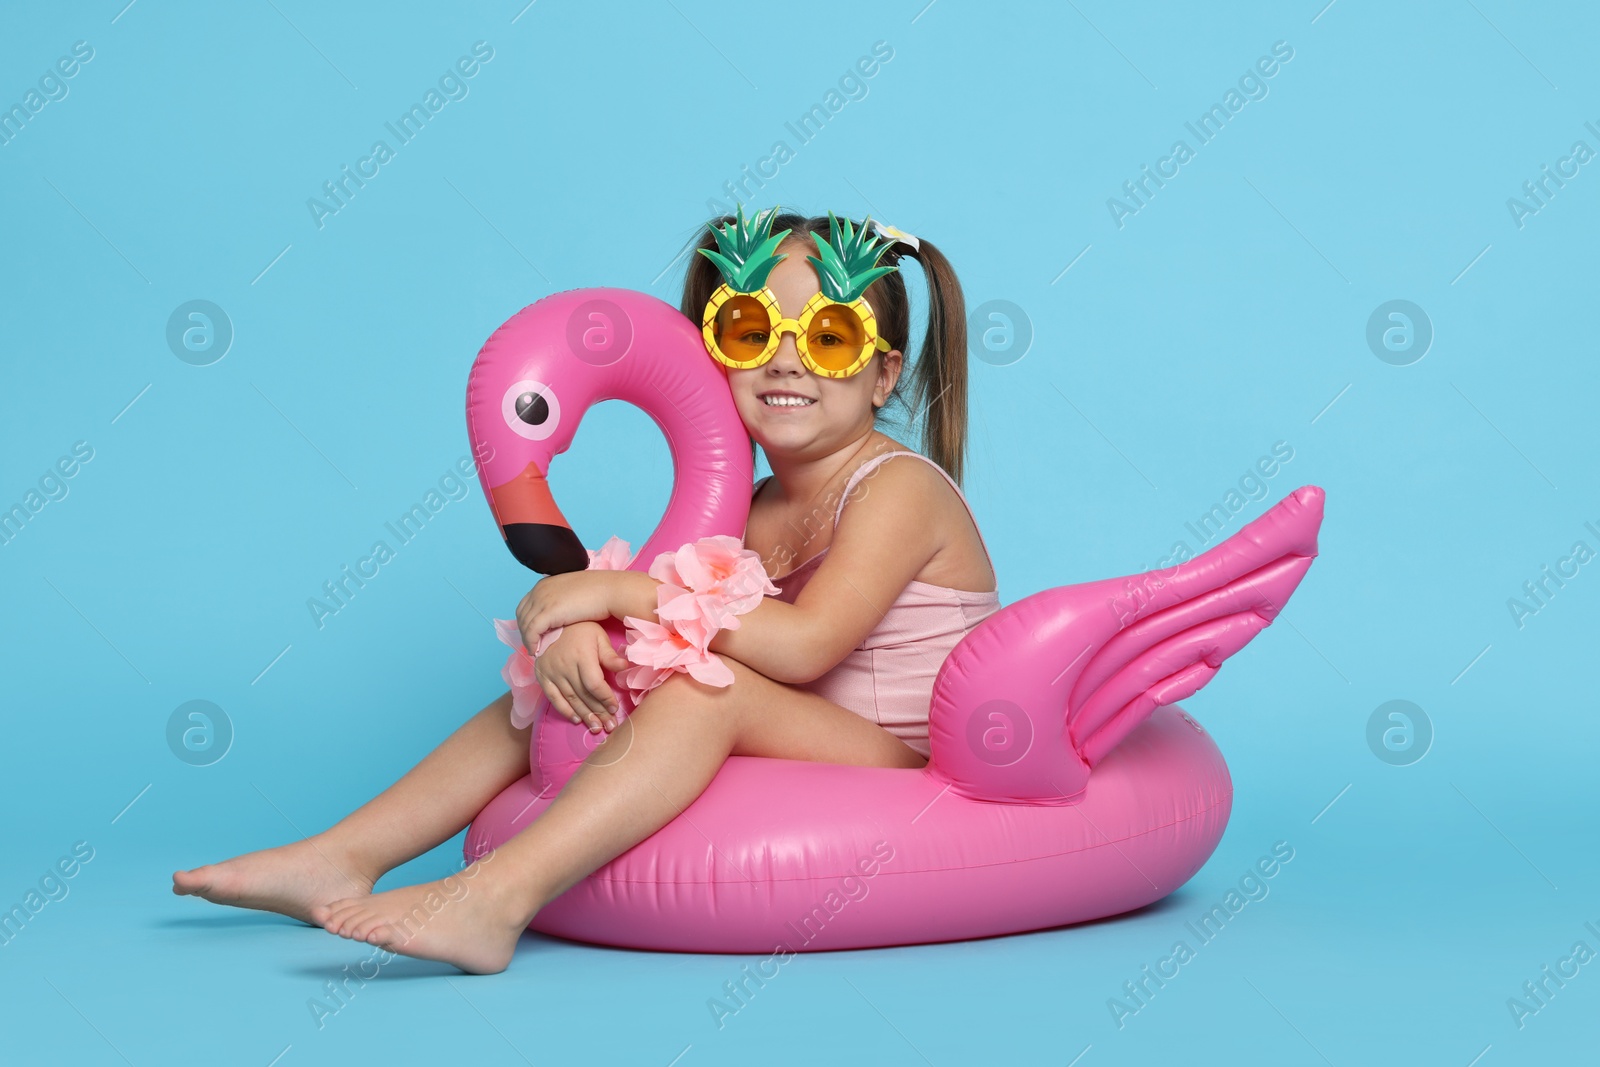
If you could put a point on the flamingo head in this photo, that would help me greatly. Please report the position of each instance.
(541, 371)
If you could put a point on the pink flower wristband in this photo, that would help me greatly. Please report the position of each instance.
(705, 586)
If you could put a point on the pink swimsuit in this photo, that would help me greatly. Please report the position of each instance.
(889, 678)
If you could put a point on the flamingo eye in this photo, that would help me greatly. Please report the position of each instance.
(531, 409)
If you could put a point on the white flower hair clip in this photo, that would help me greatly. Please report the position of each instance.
(891, 233)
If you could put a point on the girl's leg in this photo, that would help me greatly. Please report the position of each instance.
(651, 767)
(429, 805)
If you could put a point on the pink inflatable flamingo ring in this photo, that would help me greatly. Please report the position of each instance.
(1065, 784)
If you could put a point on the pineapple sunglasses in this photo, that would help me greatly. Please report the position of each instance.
(836, 333)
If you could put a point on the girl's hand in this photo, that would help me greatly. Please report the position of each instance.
(570, 674)
(577, 596)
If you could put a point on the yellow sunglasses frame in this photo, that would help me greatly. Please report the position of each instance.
(778, 326)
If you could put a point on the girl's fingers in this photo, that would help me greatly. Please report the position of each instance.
(588, 717)
(530, 633)
(602, 717)
(591, 705)
(583, 695)
(558, 701)
(610, 653)
(601, 693)
(586, 704)
(609, 657)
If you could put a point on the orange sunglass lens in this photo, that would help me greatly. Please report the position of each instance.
(743, 326)
(836, 337)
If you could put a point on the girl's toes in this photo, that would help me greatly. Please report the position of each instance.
(365, 930)
(340, 913)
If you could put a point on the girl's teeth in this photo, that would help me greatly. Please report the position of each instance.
(786, 401)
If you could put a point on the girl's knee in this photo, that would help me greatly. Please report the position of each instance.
(683, 699)
(680, 689)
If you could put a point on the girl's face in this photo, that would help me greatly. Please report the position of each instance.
(830, 412)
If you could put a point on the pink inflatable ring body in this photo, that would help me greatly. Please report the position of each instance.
(1065, 783)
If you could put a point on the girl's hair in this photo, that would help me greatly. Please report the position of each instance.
(938, 374)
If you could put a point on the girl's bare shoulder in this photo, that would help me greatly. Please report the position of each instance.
(908, 484)
(915, 479)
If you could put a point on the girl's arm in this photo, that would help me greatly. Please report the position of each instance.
(884, 538)
(771, 637)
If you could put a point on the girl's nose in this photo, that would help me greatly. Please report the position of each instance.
(787, 357)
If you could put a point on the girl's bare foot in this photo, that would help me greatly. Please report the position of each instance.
(291, 880)
(461, 920)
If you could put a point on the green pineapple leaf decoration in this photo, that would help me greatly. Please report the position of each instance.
(848, 260)
(746, 253)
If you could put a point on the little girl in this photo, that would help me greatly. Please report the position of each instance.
(838, 667)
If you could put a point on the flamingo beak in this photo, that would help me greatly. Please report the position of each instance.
(533, 527)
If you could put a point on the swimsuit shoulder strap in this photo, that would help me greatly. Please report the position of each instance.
(871, 464)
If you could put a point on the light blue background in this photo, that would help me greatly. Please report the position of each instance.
(1226, 315)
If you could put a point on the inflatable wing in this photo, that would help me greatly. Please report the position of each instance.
(1036, 695)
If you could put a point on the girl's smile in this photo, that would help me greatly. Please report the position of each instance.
(782, 398)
